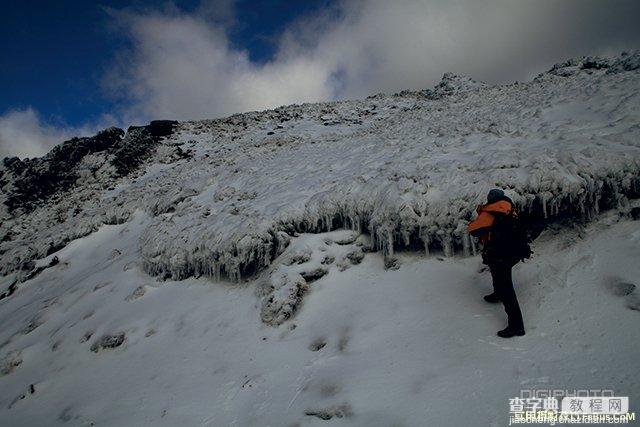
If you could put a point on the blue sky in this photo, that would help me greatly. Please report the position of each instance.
(55, 53)
(74, 67)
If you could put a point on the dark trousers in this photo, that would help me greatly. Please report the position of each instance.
(503, 288)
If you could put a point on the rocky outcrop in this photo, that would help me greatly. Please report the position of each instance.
(627, 61)
(26, 183)
(33, 180)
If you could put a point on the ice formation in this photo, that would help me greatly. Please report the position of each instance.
(308, 258)
(227, 195)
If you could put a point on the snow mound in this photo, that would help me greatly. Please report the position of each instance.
(627, 61)
(454, 84)
(308, 258)
(451, 84)
(227, 196)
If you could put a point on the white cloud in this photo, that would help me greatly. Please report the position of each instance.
(24, 134)
(182, 65)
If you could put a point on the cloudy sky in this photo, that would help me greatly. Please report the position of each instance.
(73, 67)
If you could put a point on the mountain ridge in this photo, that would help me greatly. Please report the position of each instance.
(409, 207)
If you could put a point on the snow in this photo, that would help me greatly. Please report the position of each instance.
(307, 259)
(376, 347)
(287, 266)
(407, 169)
(379, 175)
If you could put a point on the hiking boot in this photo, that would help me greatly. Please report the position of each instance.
(492, 298)
(509, 332)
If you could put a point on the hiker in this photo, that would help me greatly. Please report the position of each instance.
(502, 247)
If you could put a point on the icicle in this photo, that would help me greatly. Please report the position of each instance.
(214, 255)
(474, 249)
(447, 246)
(424, 237)
(466, 243)
(406, 237)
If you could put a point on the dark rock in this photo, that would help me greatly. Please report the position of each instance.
(339, 411)
(86, 337)
(635, 213)
(328, 259)
(34, 180)
(132, 150)
(13, 164)
(179, 153)
(159, 128)
(27, 265)
(33, 273)
(10, 362)
(137, 293)
(137, 144)
(355, 256)
(628, 61)
(450, 84)
(391, 263)
(10, 290)
(623, 288)
(625, 62)
(594, 63)
(108, 341)
(35, 323)
(317, 344)
(133, 127)
(313, 275)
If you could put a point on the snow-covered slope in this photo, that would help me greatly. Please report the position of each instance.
(251, 269)
(408, 169)
(370, 347)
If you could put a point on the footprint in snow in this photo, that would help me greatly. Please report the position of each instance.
(86, 337)
(317, 344)
(633, 302)
(626, 290)
(620, 288)
(344, 340)
(108, 341)
(30, 390)
(33, 324)
(101, 285)
(10, 362)
(338, 411)
(137, 293)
